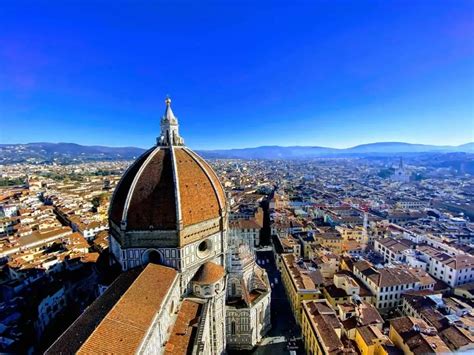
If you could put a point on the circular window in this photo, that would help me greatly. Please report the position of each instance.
(204, 248)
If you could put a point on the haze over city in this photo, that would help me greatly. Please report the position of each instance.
(333, 74)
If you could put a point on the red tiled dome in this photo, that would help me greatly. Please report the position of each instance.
(168, 197)
(166, 186)
(209, 273)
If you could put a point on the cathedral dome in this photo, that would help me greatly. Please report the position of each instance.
(209, 273)
(169, 195)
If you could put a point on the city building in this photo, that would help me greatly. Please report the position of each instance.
(302, 281)
(453, 269)
(414, 336)
(169, 214)
(401, 174)
(387, 284)
(392, 250)
(321, 329)
(248, 299)
(245, 230)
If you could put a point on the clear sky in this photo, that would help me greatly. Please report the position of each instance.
(240, 73)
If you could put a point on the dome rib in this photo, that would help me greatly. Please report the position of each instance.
(135, 181)
(121, 191)
(179, 219)
(153, 202)
(168, 196)
(198, 198)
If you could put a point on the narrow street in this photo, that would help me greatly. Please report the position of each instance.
(284, 325)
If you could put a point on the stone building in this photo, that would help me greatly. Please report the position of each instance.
(401, 174)
(248, 299)
(168, 232)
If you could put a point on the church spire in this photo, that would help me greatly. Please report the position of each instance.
(169, 134)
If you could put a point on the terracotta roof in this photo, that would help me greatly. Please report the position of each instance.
(184, 329)
(363, 290)
(460, 262)
(424, 278)
(73, 338)
(457, 337)
(147, 191)
(245, 224)
(153, 203)
(323, 319)
(388, 276)
(120, 194)
(418, 341)
(219, 189)
(301, 277)
(209, 273)
(369, 333)
(457, 262)
(199, 200)
(396, 246)
(367, 314)
(123, 328)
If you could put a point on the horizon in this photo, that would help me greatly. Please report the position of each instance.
(334, 75)
(250, 147)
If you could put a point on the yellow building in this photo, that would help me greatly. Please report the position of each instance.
(321, 328)
(301, 280)
(347, 263)
(329, 240)
(466, 291)
(352, 233)
(414, 336)
(341, 290)
(370, 340)
(285, 245)
(307, 247)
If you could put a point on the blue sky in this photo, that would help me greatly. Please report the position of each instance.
(240, 73)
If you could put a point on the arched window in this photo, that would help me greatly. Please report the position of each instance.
(152, 256)
(232, 328)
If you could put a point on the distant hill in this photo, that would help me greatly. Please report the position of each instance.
(468, 147)
(270, 152)
(64, 153)
(399, 147)
(298, 152)
(70, 152)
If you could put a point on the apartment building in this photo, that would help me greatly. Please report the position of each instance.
(302, 281)
(387, 284)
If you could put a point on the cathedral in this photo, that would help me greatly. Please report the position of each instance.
(168, 221)
(401, 174)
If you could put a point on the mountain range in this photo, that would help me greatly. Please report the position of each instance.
(64, 153)
(70, 152)
(305, 152)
